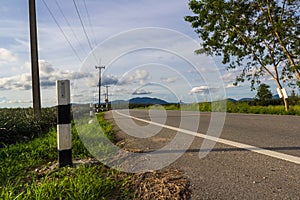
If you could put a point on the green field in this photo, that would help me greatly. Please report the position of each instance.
(233, 107)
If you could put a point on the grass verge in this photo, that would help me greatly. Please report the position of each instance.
(22, 174)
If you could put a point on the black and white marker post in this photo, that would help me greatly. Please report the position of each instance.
(64, 135)
(91, 110)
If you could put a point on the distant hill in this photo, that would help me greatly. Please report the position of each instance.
(147, 100)
(231, 100)
(246, 99)
(140, 100)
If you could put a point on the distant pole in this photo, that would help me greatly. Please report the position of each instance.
(99, 98)
(64, 134)
(34, 61)
(106, 97)
(91, 110)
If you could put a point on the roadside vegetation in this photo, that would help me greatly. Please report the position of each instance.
(29, 170)
(29, 167)
(28, 155)
(254, 107)
(18, 124)
(263, 103)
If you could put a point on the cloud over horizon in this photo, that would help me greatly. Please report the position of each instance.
(203, 90)
(141, 92)
(48, 76)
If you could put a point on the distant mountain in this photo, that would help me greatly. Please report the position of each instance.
(140, 100)
(246, 99)
(147, 100)
(231, 100)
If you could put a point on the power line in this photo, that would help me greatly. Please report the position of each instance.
(84, 30)
(52, 15)
(83, 27)
(69, 25)
(90, 23)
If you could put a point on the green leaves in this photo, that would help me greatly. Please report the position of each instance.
(250, 34)
(263, 94)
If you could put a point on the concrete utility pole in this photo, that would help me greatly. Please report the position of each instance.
(106, 97)
(99, 67)
(34, 61)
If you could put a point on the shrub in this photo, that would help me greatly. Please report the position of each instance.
(19, 124)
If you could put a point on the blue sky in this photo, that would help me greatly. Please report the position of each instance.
(140, 61)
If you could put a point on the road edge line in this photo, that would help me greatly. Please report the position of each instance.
(274, 154)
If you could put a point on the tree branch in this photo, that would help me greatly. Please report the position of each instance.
(275, 66)
(282, 11)
(291, 60)
(253, 53)
(270, 52)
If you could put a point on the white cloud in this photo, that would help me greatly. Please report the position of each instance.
(170, 79)
(141, 92)
(138, 76)
(229, 77)
(17, 82)
(231, 86)
(200, 89)
(203, 90)
(48, 76)
(7, 57)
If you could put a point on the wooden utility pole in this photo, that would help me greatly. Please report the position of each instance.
(34, 61)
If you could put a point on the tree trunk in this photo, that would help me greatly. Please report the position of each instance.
(286, 104)
(285, 100)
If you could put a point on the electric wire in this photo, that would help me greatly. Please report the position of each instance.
(69, 25)
(84, 30)
(60, 28)
(90, 23)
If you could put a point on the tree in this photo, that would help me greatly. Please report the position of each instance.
(260, 37)
(293, 98)
(264, 95)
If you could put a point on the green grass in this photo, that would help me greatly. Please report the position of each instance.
(243, 107)
(106, 127)
(235, 107)
(22, 176)
(86, 182)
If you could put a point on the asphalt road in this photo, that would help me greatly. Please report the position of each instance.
(269, 167)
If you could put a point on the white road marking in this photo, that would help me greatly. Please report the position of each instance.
(274, 154)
